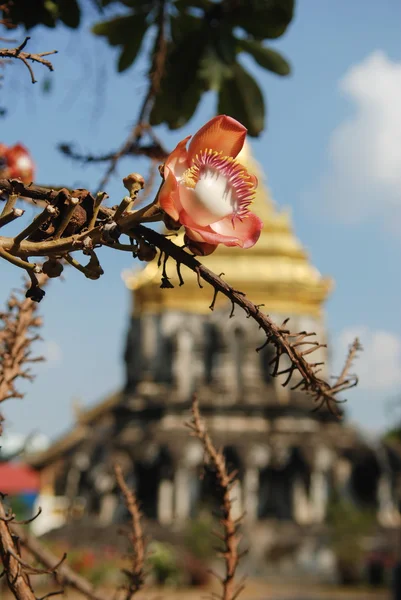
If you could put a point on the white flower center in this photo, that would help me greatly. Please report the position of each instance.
(24, 163)
(214, 195)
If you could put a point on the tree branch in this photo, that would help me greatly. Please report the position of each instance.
(63, 573)
(136, 574)
(104, 226)
(17, 579)
(284, 341)
(155, 75)
(18, 54)
(225, 481)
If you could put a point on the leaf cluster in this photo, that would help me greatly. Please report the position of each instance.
(205, 39)
(30, 13)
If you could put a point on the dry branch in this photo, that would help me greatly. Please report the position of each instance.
(18, 323)
(15, 572)
(136, 574)
(19, 54)
(92, 225)
(225, 481)
(16, 337)
(64, 575)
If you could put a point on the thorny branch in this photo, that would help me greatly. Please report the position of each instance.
(17, 577)
(19, 54)
(284, 341)
(225, 482)
(63, 574)
(136, 574)
(154, 151)
(79, 222)
(345, 380)
(16, 337)
(18, 323)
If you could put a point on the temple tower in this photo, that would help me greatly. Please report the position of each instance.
(177, 346)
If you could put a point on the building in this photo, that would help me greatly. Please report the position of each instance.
(289, 459)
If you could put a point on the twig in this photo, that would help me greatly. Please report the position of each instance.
(63, 573)
(225, 482)
(17, 578)
(154, 151)
(345, 380)
(136, 574)
(155, 76)
(26, 56)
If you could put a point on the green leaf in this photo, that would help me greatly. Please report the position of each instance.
(213, 70)
(263, 18)
(225, 43)
(266, 57)
(47, 85)
(240, 97)
(183, 5)
(132, 47)
(181, 87)
(69, 12)
(118, 30)
(184, 25)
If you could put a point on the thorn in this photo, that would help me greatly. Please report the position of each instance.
(216, 291)
(178, 267)
(199, 277)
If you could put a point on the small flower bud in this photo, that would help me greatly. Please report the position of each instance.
(146, 252)
(52, 268)
(133, 183)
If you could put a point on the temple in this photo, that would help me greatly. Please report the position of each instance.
(290, 460)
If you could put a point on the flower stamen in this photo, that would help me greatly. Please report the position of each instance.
(240, 187)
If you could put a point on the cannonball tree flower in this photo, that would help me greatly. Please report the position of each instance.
(16, 162)
(208, 191)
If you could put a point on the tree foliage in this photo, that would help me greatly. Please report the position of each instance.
(204, 41)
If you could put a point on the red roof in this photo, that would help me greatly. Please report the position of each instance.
(18, 479)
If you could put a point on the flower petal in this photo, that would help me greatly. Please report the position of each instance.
(247, 231)
(177, 161)
(205, 234)
(199, 248)
(169, 197)
(223, 134)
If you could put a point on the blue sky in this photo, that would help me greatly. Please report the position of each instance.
(331, 152)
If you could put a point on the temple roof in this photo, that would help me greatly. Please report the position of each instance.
(276, 272)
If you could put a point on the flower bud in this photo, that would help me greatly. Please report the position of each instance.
(146, 252)
(52, 268)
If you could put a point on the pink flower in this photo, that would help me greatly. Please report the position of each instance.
(16, 163)
(208, 191)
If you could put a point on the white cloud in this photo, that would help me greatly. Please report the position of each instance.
(363, 179)
(378, 366)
